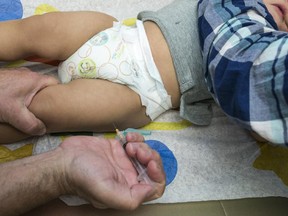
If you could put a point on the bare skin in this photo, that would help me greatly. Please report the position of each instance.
(279, 10)
(17, 89)
(82, 105)
(96, 169)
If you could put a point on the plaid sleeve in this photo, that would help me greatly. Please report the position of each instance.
(246, 64)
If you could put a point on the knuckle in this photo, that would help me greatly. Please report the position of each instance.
(156, 155)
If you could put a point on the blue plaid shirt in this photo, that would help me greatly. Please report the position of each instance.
(246, 61)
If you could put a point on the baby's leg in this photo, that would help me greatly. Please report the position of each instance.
(89, 105)
(84, 105)
(53, 35)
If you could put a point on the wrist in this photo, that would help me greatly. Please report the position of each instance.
(63, 172)
(48, 172)
(55, 166)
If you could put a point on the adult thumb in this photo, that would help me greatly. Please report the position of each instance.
(27, 122)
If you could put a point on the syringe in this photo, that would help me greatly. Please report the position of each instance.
(141, 170)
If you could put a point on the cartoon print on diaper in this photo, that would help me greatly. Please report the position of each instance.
(82, 65)
(103, 56)
(106, 66)
(87, 68)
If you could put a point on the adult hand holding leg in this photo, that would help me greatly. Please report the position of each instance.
(17, 89)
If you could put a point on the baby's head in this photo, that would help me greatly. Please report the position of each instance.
(279, 10)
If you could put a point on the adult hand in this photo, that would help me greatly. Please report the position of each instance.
(99, 171)
(17, 89)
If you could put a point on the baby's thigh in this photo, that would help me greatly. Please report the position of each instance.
(89, 105)
(110, 103)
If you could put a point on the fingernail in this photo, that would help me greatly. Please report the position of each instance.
(41, 131)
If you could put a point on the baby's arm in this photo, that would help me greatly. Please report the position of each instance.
(83, 105)
(53, 35)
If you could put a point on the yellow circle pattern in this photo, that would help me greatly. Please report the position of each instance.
(44, 8)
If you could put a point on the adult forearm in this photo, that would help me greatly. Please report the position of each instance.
(29, 182)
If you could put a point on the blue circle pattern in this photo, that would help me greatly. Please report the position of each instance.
(168, 159)
(10, 10)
